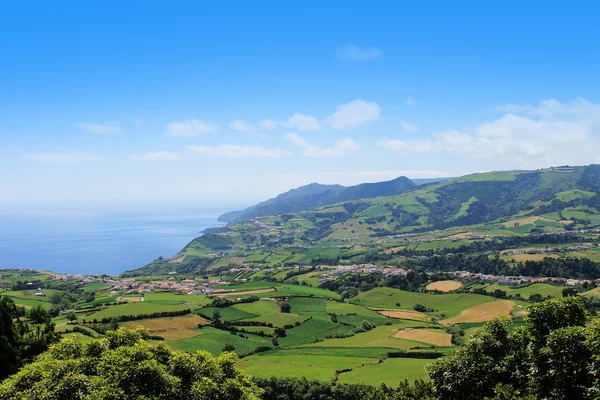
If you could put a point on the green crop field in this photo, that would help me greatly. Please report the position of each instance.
(381, 336)
(544, 289)
(213, 340)
(390, 372)
(94, 287)
(133, 309)
(175, 298)
(268, 312)
(230, 314)
(312, 367)
(318, 327)
(448, 304)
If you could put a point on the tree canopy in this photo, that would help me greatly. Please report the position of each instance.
(124, 366)
(557, 356)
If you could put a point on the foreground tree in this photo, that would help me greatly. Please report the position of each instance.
(20, 342)
(554, 357)
(124, 366)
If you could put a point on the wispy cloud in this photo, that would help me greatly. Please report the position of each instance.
(238, 151)
(552, 133)
(340, 147)
(242, 126)
(157, 156)
(410, 101)
(62, 157)
(354, 114)
(410, 127)
(104, 128)
(355, 52)
(304, 122)
(191, 127)
(268, 124)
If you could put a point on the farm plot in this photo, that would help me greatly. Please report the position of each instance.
(268, 312)
(450, 304)
(543, 289)
(381, 336)
(482, 312)
(312, 367)
(134, 309)
(170, 328)
(390, 372)
(444, 286)
(214, 340)
(402, 314)
(435, 337)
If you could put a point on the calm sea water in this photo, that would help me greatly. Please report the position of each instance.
(95, 243)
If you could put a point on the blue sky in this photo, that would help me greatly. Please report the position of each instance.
(227, 103)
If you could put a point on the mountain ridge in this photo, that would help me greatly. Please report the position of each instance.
(315, 195)
(477, 206)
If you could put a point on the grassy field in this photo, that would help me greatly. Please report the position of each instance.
(133, 309)
(390, 372)
(444, 286)
(448, 304)
(213, 340)
(268, 311)
(312, 367)
(482, 312)
(94, 287)
(381, 336)
(170, 328)
(545, 289)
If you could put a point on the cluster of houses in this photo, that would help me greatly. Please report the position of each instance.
(549, 250)
(517, 280)
(186, 286)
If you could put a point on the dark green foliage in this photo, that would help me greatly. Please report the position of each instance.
(20, 342)
(285, 307)
(554, 356)
(302, 389)
(124, 366)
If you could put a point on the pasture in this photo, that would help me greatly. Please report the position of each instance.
(390, 372)
(544, 289)
(450, 304)
(444, 286)
(133, 309)
(482, 312)
(214, 340)
(170, 328)
(436, 337)
(312, 367)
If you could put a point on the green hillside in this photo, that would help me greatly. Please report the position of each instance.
(442, 215)
(315, 195)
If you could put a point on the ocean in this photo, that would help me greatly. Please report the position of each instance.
(84, 242)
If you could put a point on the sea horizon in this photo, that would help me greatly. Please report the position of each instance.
(94, 241)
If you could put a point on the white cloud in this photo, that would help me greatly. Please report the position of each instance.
(559, 134)
(268, 124)
(157, 156)
(104, 128)
(340, 147)
(192, 127)
(410, 127)
(304, 122)
(354, 52)
(242, 126)
(237, 151)
(410, 101)
(550, 108)
(63, 157)
(354, 114)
